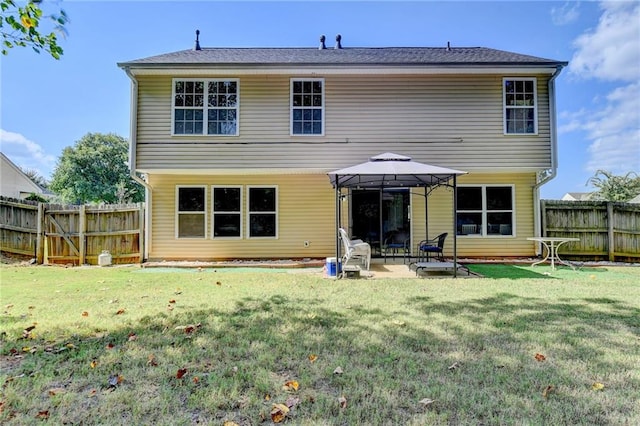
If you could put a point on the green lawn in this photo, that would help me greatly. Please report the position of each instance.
(107, 346)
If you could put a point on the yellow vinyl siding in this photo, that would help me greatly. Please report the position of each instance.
(440, 219)
(448, 120)
(306, 205)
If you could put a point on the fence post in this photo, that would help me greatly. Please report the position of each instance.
(39, 235)
(82, 229)
(611, 246)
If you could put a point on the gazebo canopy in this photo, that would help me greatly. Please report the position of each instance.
(391, 170)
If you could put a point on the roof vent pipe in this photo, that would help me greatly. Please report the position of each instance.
(322, 39)
(448, 47)
(197, 46)
(338, 40)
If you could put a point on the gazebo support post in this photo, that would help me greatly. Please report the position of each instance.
(455, 228)
(337, 234)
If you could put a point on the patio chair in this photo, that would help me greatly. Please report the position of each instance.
(355, 249)
(396, 241)
(433, 246)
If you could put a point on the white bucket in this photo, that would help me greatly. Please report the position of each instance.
(104, 259)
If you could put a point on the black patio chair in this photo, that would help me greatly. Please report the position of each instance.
(433, 246)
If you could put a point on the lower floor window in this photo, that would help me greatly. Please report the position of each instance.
(263, 220)
(485, 210)
(191, 212)
(227, 212)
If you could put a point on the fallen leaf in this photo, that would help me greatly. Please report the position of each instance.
(279, 412)
(169, 307)
(597, 386)
(398, 323)
(290, 385)
(120, 311)
(133, 337)
(56, 391)
(44, 414)
(540, 357)
(338, 370)
(426, 402)
(180, 373)
(85, 314)
(454, 366)
(313, 358)
(547, 391)
(70, 346)
(28, 329)
(218, 283)
(92, 393)
(151, 360)
(342, 401)
(230, 423)
(172, 301)
(115, 380)
(31, 307)
(267, 397)
(110, 345)
(113, 301)
(196, 380)
(9, 306)
(291, 402)
(94, 363)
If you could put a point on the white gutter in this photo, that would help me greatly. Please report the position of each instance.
(554, 156)
(132, 162)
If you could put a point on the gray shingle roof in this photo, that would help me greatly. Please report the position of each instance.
(356, 56)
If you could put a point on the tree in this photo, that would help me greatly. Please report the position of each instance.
(614, 188)
(23, 26)
(95, 170)
(35, 177)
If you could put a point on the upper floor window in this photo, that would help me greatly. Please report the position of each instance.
(520, 104)
(485, 210)
(205, 107)
(190, 211)
(307, 106)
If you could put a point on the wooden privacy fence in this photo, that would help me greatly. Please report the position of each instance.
(77, 235)
(606, 230)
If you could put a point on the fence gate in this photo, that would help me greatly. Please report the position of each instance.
(74, 235)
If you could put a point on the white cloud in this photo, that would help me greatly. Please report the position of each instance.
(612, 50)
(26, 153)
(565, 14)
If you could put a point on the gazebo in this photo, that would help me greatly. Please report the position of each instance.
(391, 170)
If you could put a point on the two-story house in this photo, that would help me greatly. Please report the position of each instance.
(235, 144)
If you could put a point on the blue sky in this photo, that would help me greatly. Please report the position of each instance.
(47, 105)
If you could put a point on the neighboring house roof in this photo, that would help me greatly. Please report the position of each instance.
(355, 56)
(635, 200)
(15, 183)
(576, 196)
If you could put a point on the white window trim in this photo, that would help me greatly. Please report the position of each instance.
(205, 108)
(484, 211)
(535, 105)
(177, 212)
(249, 213)
(213, 212)
(291, 108)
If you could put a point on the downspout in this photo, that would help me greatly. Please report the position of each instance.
(132, 161)
(554, 155)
